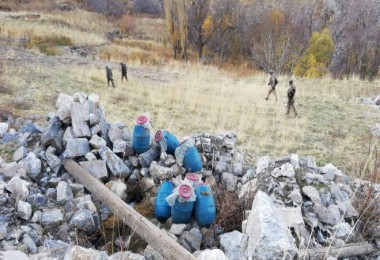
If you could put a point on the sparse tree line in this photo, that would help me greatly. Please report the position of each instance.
(307, 37)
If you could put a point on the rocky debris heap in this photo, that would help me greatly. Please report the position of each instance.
(298, 205)
(371, 101)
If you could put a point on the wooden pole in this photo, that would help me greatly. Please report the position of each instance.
(158, 239)
(348, 250)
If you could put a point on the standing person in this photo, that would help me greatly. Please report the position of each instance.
(272, 83)
(123, 71)
(109, 76)
(291, 98)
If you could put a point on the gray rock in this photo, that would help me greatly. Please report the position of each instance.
(3, 230)
(229, 180)
(68, 134)
(342, 230)
(211, 254)
(330, 215)
(38, 200)
(177, 229)
(291, 217)
(80, 97)
(169, 161)
(77, 147)
(82, 219)
(36, 217)
(14, 255)
(29, 243)
(64, 192)
(263, 163)
(346, 208)
(377, 100)
(95, 130)
(24, 210)
(119, 146)
(19, 188)
(31, 164)
(97, 168)
(54, 162)
(87, 205)
(307, 162)
(286, 170)
(3, 129)
(92, 112)
(237, 169)
(63, 104)
(234, 245)
(223, 164)
(10, 170)
(295, 196)
(79, 120)
(149, 156)
(116, 131)
(119, 188)
(114, 163)
(312, 193)
(152, 254)
(51, 217)
(191, 240)
(249, 175)
(52, 134)
(268, 237)
(53, 182)
(329, 171)
(126, 255)
(104, 126)
(78, 252)
(94, 99)
(20, 153)
(178, 170)
(51, 193)
(90, 156)
(158, 172)
(134, 161)
(248, 188)
(77, 189)
(96, 142)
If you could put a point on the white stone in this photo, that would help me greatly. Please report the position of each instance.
(268, 237)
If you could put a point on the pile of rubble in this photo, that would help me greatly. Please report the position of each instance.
(297, 206)
(371, 101)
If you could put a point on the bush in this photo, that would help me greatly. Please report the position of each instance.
(126, 24)
(317, 57)
(47, 44)
(152, 7)
(106, 7)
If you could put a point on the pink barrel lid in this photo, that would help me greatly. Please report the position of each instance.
(158, 136)
(184, 190)
(192, 177)
(142, 120)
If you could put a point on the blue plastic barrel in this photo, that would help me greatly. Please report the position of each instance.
(192, 160)
(182, 211)
(162, 208)
(171, 141)
(204, 209)
(141, 136)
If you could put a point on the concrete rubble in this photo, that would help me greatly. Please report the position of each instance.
(289, 202)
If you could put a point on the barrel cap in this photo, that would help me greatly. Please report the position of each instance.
(142, 120)
(192, 177)
(184, 190)
(158, 136)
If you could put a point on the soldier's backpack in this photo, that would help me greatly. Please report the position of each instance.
(275, 81)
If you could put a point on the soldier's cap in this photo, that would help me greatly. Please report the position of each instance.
(290, 81)
(271, 72)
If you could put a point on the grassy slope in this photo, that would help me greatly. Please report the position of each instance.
(192, 98)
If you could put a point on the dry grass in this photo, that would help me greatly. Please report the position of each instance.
(188, 98)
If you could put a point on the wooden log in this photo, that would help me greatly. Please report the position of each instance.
(348, 250)
(158, 239)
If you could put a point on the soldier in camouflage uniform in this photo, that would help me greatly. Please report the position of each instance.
(123, 71)
(291, 98)
(109, 76)
(272, 83)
